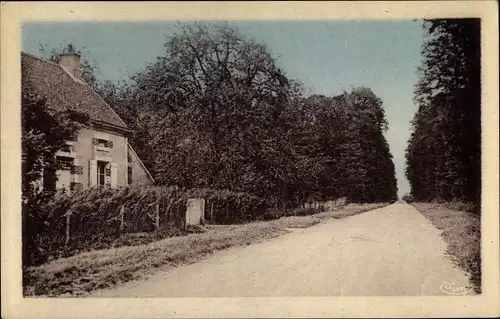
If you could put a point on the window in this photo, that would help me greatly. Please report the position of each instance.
(101, 167)
(66, 148)
(77, 170)
(102, 142)
(129, 177)
(49, 179)
(64, 163)
(103, 174)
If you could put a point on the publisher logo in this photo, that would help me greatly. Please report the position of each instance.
(454, 289)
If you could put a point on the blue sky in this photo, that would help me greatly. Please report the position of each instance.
(327, 56)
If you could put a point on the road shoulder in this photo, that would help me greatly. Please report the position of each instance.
(461, 231)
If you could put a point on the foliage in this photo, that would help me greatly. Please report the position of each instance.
(215, 111)
(408, 198)
(225, 207)
(444, 151)
(99, 217)
(469, 207)
(44, 132)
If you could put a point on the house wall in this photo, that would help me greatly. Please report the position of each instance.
(139, 175)
(85, 151)
(85, 154)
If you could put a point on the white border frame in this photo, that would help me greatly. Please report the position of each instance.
(14, 306)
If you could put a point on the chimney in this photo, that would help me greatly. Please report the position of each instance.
(70, 61)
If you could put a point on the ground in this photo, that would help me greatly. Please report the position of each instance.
(461, 230)
(98, 269)
(389, 251)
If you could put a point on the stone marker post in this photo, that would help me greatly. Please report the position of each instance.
(195, 211)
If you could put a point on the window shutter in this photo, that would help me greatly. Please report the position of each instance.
(114, 174)
(77, 170)
(93, 173)
(95, 141)
(109, 144)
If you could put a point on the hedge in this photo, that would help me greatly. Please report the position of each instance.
(99, 218)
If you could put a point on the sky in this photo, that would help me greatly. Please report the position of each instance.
(326, 56)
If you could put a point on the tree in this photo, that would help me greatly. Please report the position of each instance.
(444, 151)
(215, 111)
(44, 132)
(339, 148)
(408, 198)
(224, 93)
(380, 181)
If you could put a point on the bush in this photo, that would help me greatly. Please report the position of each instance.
(275, 213)
(98, 218)
(408, 198)
(225, 207)
(104, 218)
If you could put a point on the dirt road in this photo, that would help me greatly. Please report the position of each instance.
(385, 252)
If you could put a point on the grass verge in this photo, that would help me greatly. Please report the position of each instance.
(78, 275)
(339, 213)
(461, 230)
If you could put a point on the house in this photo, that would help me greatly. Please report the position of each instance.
(101, 155)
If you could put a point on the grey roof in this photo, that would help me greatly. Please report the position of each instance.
(64, 92)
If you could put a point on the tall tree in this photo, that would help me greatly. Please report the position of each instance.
(444, 151)
(227, 94)
(216, 111)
